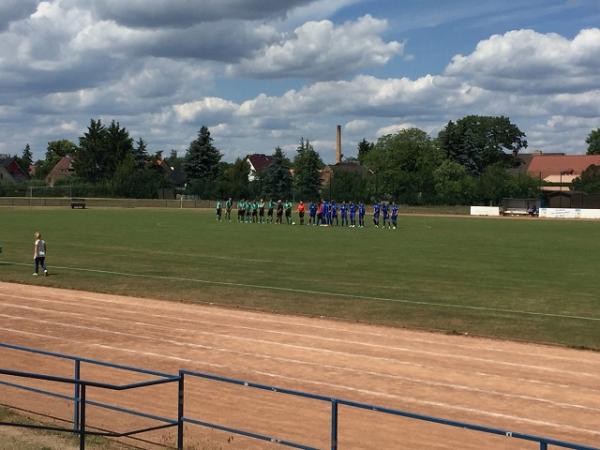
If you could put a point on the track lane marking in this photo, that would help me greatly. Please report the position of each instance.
(162, 316)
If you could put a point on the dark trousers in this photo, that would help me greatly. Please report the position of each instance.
(40, 261)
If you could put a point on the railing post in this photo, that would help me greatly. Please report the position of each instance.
(543, 446)
(180, 397)
(82, 420)
(77, 387)
(334, 425)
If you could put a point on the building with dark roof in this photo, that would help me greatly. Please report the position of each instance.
(10, 171)
(258, 163)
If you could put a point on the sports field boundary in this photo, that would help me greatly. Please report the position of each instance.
(315, 292)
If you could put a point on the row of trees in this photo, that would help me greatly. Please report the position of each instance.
(468, 162)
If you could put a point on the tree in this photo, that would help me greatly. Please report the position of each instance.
(589, 181)
(119, 145)
(234, 181)
(277, 181)
(401, 167)
(140, 154)
(347, 186)
(364, 147)
(307, 175)
(593, 142)
(453, 185)
(201, 163)
(90, 155)
(26, 159)
(477, 142)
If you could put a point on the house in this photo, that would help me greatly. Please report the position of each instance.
(10, 171)
(63, 169)
(560, 170)
(258, 163)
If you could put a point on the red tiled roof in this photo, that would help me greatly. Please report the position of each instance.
(554, 165)
(260, 162)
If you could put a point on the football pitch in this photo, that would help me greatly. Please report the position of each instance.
(529, 280)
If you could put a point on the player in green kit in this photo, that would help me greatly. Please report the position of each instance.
(261, 211)
(241, 208)
(228, 206)
(270, 208)
(288, 212)
(219, 210)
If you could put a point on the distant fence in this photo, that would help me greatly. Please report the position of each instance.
(81, 402)
(32, 202)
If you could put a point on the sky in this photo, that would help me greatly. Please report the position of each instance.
(265, 73)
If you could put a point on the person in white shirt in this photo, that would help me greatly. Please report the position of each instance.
(39, 254)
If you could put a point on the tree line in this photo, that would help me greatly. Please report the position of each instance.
(469, 162)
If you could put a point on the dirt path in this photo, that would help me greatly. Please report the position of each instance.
(534, 389)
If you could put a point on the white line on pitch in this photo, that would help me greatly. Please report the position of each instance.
(323, 293)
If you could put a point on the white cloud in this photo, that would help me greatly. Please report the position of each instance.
(322, 50)
(207, 110)
(530, 62)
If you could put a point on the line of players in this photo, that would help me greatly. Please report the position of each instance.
(323, 213)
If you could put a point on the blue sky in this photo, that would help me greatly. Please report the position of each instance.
(263, 73)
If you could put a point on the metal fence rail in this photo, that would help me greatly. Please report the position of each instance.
(80, 402)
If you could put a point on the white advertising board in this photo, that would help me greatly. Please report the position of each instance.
(569, 213)
(485, 210)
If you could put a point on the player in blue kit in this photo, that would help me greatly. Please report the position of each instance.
(344, 214)
(361, 215)
(394, 215)
(376, 213)
(385, 214)
(325, 213)
(334, 214)
(352, 215)
(312, 213)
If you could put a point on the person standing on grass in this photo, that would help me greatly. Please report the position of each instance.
(228, 206)
(241, 210)
(270, 208)
(344, 213)
(376, 213)
(312, 214)
(279, 208)
(39, 254)
(261, 211)
(394, 216)
(301, 210)
(361, 215)
(352, 208)
(288, 212)
(334, 214)
(219, 210)
(385, 214)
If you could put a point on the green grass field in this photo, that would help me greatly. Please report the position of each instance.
(518, 279)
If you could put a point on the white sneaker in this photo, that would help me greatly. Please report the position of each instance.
(35, 274)
(45, 273)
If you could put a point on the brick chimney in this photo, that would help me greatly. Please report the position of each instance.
(338, 145)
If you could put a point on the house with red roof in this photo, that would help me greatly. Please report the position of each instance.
(560, 170)
(10, 171)
(258, 163)
(61, 170)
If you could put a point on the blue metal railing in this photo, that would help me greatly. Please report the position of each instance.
(80, 401)
(336, 402)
